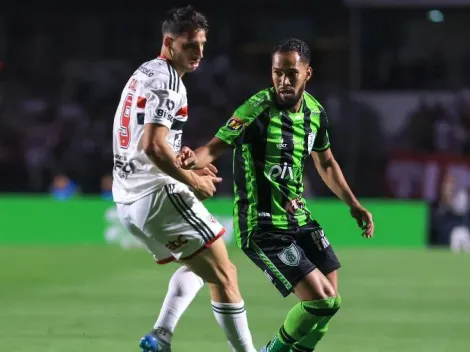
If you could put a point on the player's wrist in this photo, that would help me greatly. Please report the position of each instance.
(194, 180)
(354, 204)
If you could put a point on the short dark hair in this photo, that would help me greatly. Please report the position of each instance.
(294, 44)
(183, 19)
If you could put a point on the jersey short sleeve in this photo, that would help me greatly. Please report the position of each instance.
(243, 116)
(162, 103)
(322, 140)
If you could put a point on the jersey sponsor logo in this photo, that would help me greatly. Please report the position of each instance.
(290, 255)
(123, 168)
(146, 71)
(177, 243)
(281, 144)
(164, 114)
(320, 239)
(235, 123)
(283, 172)
(175, 142)
(311, 141)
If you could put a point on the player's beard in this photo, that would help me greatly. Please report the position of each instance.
(290, 101)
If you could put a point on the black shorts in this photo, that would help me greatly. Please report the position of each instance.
(287, 256)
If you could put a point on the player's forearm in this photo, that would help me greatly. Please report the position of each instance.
(164, 157)
(203, 157)
(333, 177)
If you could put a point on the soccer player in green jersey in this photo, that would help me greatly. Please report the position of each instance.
(272, 134)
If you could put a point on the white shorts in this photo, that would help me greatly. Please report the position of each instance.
(171, 222)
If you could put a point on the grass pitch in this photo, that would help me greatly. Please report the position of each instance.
(77, 299)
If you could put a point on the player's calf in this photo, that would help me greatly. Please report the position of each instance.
(182, 289)
(317, 306)
(215, 268)
(310, 341)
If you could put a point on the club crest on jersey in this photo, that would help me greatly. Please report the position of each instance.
(290, 255)
(235, 124)
(311, 140)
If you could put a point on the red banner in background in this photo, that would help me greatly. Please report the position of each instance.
(419, 176)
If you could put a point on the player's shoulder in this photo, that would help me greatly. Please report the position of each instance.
(312, 103)
(262, 98)
(256, 104)
(159, 73)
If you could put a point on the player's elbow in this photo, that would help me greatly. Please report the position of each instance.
(153, 150)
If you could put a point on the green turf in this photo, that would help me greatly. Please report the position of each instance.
(102, 299)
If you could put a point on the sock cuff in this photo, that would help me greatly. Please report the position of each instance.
(338, 301)
(228, 305)
(228, 308)
(321, 307)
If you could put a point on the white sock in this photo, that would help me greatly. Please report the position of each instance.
(232, 319)
(182, 288)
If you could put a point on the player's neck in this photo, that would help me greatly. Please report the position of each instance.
(165, 55)
(296, 107)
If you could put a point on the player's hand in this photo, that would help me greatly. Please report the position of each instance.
(205, 187)
(209, 170)
(364, 220)
(186, 158)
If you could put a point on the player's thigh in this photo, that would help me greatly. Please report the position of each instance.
(317, 248)
(333, 279)
(279, 257)
(182, 223)
(133, 217)
(213, 264)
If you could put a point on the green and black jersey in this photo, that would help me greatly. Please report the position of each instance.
(270, 149)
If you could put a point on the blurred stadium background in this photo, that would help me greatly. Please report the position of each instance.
(394, 77)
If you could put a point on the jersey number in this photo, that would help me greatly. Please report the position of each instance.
(124, 131)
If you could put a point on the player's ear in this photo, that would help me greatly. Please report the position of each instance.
(167, 40)
(309, 73)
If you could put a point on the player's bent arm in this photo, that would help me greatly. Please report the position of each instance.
(331, 174)
(205, 155)
(156, 147)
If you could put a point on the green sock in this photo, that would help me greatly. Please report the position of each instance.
(300, 321)
(311, 340)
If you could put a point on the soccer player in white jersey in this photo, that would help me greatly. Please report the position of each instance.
(158, 202)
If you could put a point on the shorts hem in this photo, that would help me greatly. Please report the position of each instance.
(165, 261)
(206, 245)
(331, 269)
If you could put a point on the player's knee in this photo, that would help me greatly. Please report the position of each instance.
(325, 307)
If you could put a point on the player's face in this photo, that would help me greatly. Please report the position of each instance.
(188, 49)
(290, 75)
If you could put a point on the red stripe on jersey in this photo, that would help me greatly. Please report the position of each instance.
(183, 112)
(141, 101)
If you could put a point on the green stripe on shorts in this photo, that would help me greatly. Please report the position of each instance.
(270, 265)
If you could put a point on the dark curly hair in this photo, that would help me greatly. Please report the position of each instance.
(183, 19)
(293, 44)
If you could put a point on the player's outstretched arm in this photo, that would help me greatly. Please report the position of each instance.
(156, 147)
(332, 175)
(202, 156)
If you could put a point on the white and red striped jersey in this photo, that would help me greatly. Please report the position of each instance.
(153, 94)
